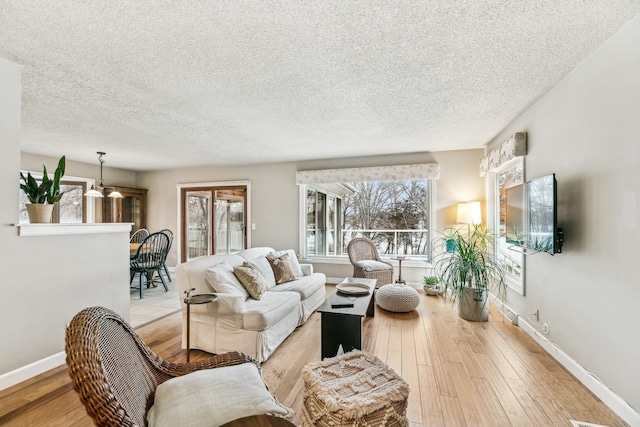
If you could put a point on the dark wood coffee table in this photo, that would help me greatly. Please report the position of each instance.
(259, 421)
(343, 326)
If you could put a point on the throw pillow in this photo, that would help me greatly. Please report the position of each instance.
(282, 268)
(251, 279)
(212, 397)
(262, 264)
(221, 279)
(292, 257)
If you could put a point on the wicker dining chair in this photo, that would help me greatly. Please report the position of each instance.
(366, 261)
(115, 373)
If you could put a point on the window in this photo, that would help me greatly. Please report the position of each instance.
(72, 207)
(504, 181)
(395, 215)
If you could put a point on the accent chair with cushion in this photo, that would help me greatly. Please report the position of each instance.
(122, 382)
(366, 261)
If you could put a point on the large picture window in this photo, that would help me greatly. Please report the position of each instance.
(395, 215)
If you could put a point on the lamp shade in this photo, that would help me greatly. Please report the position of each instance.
(93, 193)
(469, 213)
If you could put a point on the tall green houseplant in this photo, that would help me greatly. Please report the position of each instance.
(470, 271)
(46, 192)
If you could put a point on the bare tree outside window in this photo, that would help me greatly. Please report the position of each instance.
(395, 215)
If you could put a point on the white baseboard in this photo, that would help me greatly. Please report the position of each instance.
(604, 393)
(36, 368)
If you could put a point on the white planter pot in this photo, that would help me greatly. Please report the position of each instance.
(472, 305)
(39, 213)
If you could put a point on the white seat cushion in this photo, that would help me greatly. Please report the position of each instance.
(212, 397)
(371, 265)
(273, 306)
(305, 286)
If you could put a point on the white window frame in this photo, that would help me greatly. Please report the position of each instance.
(342, 259)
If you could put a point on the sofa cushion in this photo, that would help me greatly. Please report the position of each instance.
(282, 269)
(251, 279)
(213, 397)
(293, 258)
(370, 265)
(305, 286)
(273, 306)
(221, 279)
(263, 266)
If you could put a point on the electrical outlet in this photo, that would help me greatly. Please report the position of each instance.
(545, 329)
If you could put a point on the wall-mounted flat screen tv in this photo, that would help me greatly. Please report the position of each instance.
(542, 217)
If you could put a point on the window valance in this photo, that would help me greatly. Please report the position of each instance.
(515, 146)
(378, 173)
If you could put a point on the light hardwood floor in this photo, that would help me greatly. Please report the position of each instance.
(460, 373)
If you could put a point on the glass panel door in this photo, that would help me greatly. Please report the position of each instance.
(198, 224)
(213, 221)
(229, 220)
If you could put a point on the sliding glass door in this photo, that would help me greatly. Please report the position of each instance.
(213, 221)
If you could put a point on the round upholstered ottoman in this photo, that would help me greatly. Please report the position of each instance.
(397, 298)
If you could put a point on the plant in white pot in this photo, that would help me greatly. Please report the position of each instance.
(44, 194)
(431, 286)
(470, 272)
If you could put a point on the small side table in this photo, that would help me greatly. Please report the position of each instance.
(194, 299)
(400, 259)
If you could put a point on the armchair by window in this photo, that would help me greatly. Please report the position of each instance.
(366, 261)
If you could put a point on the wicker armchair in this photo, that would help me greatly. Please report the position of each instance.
(366, 261)
(114, 371)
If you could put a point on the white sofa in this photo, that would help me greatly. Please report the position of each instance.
(236, 323)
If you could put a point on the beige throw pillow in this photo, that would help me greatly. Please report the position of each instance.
(282, 268)
(251, 279)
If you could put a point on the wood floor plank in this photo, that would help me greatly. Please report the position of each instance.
(460, 373)
(452, 412)
(432, 412)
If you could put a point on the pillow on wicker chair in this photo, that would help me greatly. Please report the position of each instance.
(212, 397)
(370, 265)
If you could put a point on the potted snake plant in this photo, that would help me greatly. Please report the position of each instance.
(470, 272)
(44, 194)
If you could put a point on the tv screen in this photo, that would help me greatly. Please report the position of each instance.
(543, 233)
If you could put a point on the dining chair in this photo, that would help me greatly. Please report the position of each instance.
(366, 261)
(169, 234)
(148, 259)
(139, 235)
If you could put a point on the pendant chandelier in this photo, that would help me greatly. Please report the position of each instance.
(98, 190)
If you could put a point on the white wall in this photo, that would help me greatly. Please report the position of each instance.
(275, 196)
(46, 279)
(586, 130)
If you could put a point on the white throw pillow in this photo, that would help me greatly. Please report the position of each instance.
(212, 397)
(292, 258)
(262, 265)
(221, 279)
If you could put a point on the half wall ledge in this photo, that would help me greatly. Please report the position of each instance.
(27, 230)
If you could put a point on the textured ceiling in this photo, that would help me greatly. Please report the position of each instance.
(166, 83)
